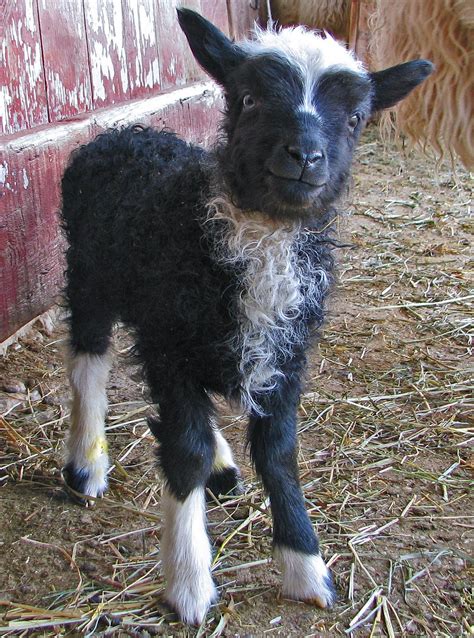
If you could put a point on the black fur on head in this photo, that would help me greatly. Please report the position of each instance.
(296, 103)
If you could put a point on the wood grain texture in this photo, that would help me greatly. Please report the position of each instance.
(177, 65)
(142, 47)
(216, 12)
(242, 16)
(105, 32)
(66, 60)
(22, 85)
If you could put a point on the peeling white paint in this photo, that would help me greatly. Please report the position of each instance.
(3, 55)
(147, 24)
(30, 16)
(109, 29)
(172, 65)
(3, 173)
(137, 49)
(33, 66)
(153, 75)
(143, 21)
(26, 181)
(101, 67)
(74, 97)
(5, 101)
(25, 85)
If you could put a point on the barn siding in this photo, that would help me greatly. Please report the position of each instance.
(141, 43)
(71, 69)
(242, 16)
(66, 60)
(22, 85)
(106, 49)
(177, 64)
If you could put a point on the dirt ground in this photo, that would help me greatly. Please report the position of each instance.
(385, 452)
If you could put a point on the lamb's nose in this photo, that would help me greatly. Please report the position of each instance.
(304, 157)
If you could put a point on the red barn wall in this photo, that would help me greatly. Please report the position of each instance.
(69, 69)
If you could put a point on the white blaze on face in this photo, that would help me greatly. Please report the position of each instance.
(309, 52)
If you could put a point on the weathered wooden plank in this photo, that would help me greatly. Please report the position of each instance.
(22, 87)
(242, 17)
(195, 121)
(31, 255)
(105, 29)
(177, 65)
(140, 19)
(216, 12)
(66, 61)
(31, 166)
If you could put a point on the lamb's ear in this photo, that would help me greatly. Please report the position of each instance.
(212, 49)
(393, 84)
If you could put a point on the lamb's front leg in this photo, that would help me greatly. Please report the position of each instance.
(296, 546)
(186, 453)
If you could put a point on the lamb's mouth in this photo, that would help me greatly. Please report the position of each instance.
(296, 192)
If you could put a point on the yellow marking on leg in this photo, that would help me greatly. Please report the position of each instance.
(219, 464)
(97, 449)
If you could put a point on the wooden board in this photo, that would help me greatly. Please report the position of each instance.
(217, 13)
(359, 38)
(142, 48)
(22, 85)
(177, 65)
(242, 17)
(31, 255)
(66, 60)
(105, 31)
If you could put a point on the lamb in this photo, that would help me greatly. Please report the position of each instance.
(220, 263)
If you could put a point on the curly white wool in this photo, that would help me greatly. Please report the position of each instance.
(275, 268)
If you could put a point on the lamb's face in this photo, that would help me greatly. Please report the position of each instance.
(296, 104)
(292, 124)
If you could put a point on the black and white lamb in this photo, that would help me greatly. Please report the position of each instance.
(220, 263)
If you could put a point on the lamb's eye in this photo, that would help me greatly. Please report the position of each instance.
(248, 102)
(354, 121)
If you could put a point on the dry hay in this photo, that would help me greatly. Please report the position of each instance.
(386, 429)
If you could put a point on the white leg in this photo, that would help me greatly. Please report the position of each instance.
(305, 577)
(223, 458)
(186, 556)
(87, 460)
(225, 476)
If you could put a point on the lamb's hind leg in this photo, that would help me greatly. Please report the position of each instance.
(87, 462)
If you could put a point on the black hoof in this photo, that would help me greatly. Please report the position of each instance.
(76, 482)
(225, 482)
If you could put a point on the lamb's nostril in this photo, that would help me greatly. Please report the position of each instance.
(304, 157)
(314, 156)
(296, 153)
